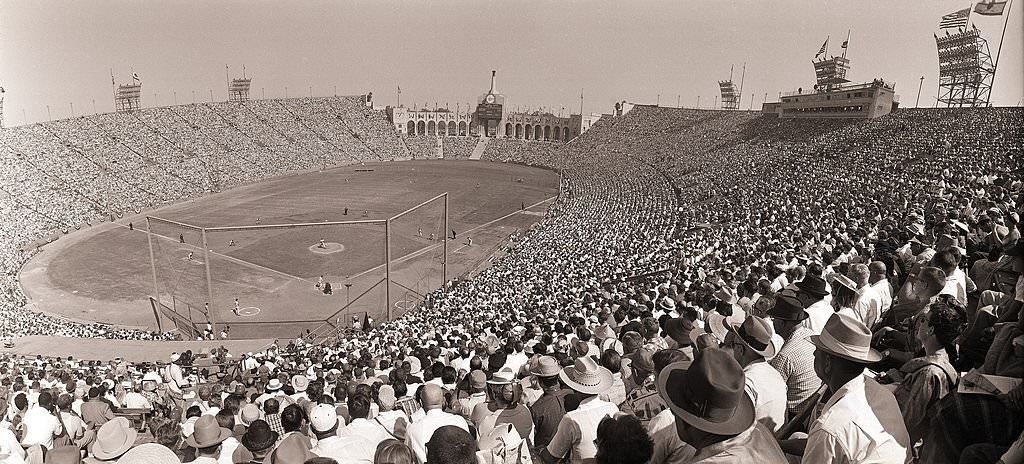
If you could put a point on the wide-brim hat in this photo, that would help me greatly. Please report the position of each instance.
(502, 377)
(300, 383)
(846, 337)
(812, 285)
(259, 436)
(586, 377)
(603, 331)
(291, 450)
(755, 333)
(845, 282)
(679, 328)
(149, 453)
(546, 366)
(207, 432)
(789, 308)
(274, 384)
(114, 438)
(708, 393)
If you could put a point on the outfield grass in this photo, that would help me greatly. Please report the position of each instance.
(104, 274)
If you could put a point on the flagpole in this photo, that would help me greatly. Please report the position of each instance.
(846, 45)
(999, 50)
(826, 45)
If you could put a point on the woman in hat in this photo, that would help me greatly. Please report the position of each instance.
(503, 406)
(844, 295)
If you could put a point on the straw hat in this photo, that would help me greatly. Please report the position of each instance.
(546, 366)
(114, 438)
(846, 337)
(586, 377)
(299, 383)
(708, 393)
(502, 377)
(274, 384)
(845, 282)
(149, 453)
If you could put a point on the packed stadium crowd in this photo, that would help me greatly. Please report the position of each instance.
(710, 287)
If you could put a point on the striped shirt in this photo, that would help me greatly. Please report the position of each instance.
(795, 362)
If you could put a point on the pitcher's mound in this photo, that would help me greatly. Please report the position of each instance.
(328, 248)
(248, 311)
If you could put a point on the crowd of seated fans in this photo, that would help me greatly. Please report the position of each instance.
(709, 287)
(458, 147)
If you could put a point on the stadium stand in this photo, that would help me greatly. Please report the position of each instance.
(676, 232)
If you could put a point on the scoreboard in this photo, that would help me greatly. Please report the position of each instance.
(489, 111)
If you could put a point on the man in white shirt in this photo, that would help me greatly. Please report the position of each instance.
(869, 304)
(860, 421)
(813, 293)
(40, 424)
(134, 399)
(324, 422)
(361, 426)
(577, 431)
(878, 279)
(751, 345)
(419, 432)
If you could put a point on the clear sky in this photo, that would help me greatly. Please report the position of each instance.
(62, 52)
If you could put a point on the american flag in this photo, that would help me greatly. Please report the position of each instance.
(822, 49)
(955, 19)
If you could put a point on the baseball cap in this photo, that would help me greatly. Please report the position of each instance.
(323, 417)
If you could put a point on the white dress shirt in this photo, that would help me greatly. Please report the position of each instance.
(420, 431)
(848, 430)
(40, 427)
(767, 389)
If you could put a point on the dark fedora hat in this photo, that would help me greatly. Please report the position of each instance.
(259, 436)
(679, 328)
(788, 307)
(812, 285)
(708, 393)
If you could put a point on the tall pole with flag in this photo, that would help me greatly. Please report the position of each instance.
(846, 43)
(399, 94)
(990, 10)
(823, 50)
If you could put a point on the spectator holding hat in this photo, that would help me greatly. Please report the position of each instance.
(795, 360)
(752, 345)
(857, 420)
(577, 430)
(713, 413)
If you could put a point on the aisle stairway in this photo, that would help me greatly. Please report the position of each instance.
(478, 150)
(439, 149)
